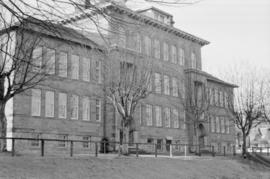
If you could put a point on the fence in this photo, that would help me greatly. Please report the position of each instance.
(71, 148)
(261, 150)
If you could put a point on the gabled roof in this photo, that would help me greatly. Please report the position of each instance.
(54, 30)
(210, 77)
(140, 17)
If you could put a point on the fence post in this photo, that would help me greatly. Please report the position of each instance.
(96, 149)
(42, 147)
(213, 151)
(13, 147)
(224, 150)
(156, 150)
(104, 146)
(268, 151)
(71, 148)
(171, 155)
(137, 150)
(234, 150)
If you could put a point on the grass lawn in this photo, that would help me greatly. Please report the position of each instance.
(24, 167)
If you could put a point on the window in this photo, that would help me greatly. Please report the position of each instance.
(167, 117)
(159, 144)
(225, 99)
(35, 143)
(158, 116)
(175, 117)
(49, 104)
(156, 49)
(216, 97)
(87, 141)
(149, 117)
(86, 69)
(122, 37)
(166, 85)
(183, 119)
(221, 98)
(227, 123)
(181, 57)
(138, 43)
(50, 64)
(37, 59)
(63, 142)
(86, 109)
(174, 87)
(217, 125)
(213, 124)
(165, 52)
(98, 110)
(62, 105)
(211, 96)
(174, 55)
(74, 106)
(147, 43)
(36, 102)
(222, 123)
(193, 61)
(157, 83)
(63, 64)
(75, 62)
(98, 71)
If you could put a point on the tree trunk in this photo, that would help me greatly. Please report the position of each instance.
(244, 145)
(3, 127)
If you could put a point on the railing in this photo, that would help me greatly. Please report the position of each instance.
(261, 150)
(44, 147)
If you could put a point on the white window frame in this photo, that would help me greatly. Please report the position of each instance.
(157, 82)
(165, 51)
(166, 85)
(193, 60)
(175, 115)
(49, 104)
(156, 49)
(37, 58)
(138, 45)
(217, 124)
(75, 66)
(63, 59)
(158, 116)
(147, 44)
(174, 54)
(62, 105)
(36, 102)
(50, 63)
(74, 107)
(167, 117)
(86, 69)
(174, 87)
(98, 110)
(85, 108)
(149, 114)
(98, 71)
(181, 56)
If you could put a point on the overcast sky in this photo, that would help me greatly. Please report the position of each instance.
(239, 31)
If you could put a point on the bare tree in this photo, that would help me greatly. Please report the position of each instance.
(126, 83)
(247, 107)
(196, 104)
(21, 65)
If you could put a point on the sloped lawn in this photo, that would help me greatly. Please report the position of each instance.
(128, 167)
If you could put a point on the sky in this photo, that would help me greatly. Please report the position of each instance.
(239, 31)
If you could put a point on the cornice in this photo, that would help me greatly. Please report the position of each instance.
(142, 18)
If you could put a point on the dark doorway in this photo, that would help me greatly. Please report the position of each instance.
(168, 143)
